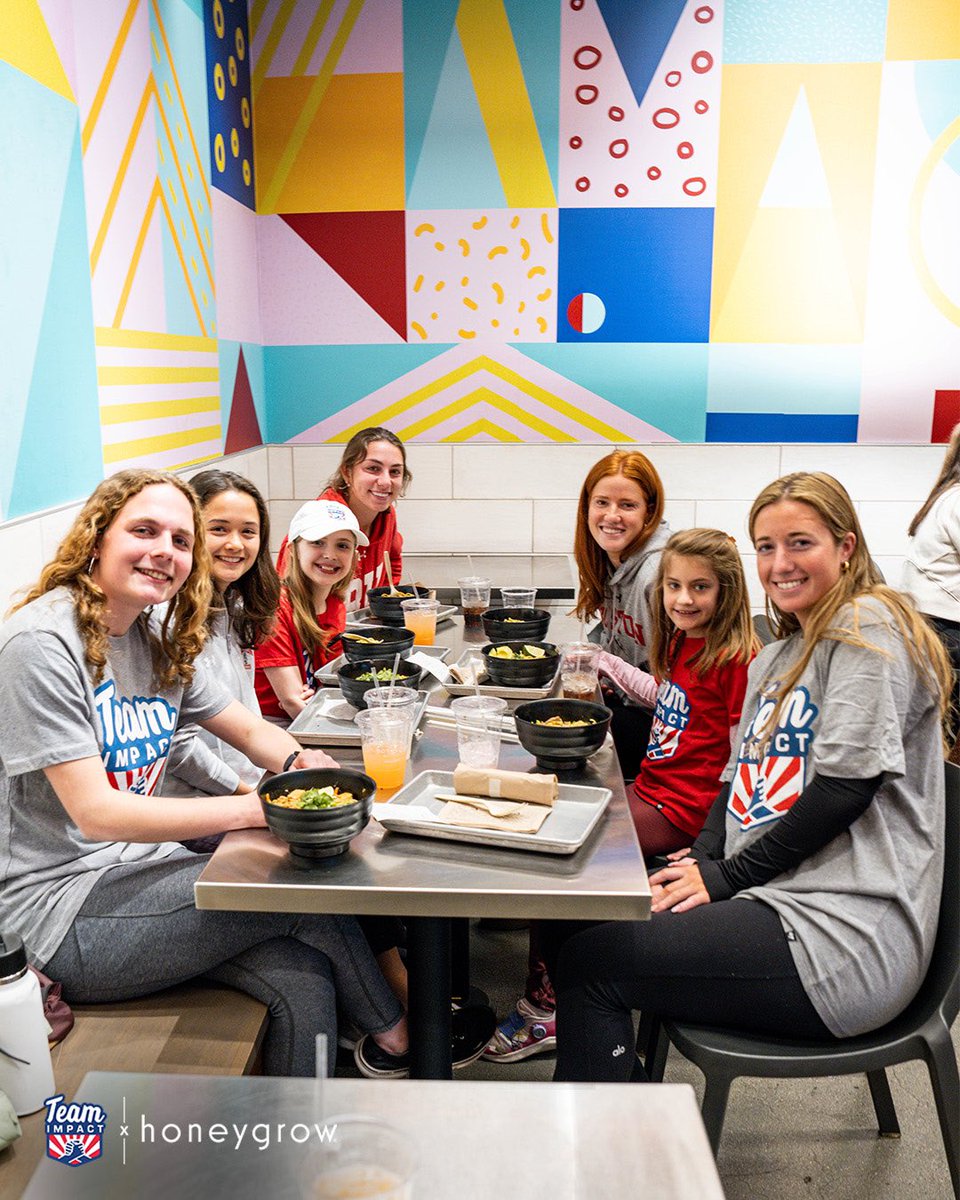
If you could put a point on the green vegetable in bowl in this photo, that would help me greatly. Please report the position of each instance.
(313, 798)
(384, 675)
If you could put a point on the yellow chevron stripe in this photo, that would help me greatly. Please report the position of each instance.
(148, 339)
(183, 104)
(183, 266)
(137, 252)
(313, 36)
(504, 101)
(111, 376)
(140, 447)
(118, 414)
(186, 195)
(277, 30)
(482, 426)
(107, 77)
(314, 98)
(484, 395)
(257, 9)
(148, 91)
(484, 363)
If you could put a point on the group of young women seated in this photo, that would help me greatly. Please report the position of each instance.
(804, 778)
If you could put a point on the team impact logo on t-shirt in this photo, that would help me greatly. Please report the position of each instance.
(136, 738)
(764, 790)
(670, 719)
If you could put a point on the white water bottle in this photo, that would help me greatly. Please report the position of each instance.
(26, 1072)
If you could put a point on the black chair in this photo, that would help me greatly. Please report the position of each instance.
(922, 1031)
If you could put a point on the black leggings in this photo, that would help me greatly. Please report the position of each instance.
(726, 963)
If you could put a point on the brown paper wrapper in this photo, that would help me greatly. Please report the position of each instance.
(528, 819)
(506, 785)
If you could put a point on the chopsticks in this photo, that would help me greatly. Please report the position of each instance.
(446, 720)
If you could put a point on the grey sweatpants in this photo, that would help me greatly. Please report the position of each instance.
(139, 931)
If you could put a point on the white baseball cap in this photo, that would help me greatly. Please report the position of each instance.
(319, 518)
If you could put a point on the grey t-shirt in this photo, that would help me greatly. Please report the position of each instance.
(200, 763)
(53, 713)
(861, 914)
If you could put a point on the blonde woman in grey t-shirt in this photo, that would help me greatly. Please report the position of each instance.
(829, 825)
(91, 875)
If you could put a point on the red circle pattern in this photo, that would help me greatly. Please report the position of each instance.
(619, 148)
(587, 93)
(621, 190)
(672, 78)
(662, 115)
(695, 186)
(580, 60)
(703, 15)
(653, 173)
(583, 183)
(685, 150)
(702, 61)
(576, 142)
(615, 113)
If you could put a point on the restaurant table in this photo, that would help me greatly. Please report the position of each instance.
(541, 1141)
(429, 881)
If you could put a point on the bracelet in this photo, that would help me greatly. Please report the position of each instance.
(290, 760)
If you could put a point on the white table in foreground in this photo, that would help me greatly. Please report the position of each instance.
(476, 1141)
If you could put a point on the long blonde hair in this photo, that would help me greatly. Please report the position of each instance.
(300, 591)
(949, 477)
(592, 563)
(861, 580)
(183, 631)
(730, 633)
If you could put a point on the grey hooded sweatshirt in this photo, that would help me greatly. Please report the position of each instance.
(626, 629)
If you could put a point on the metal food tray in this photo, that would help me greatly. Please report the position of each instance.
(496, 689)
(328, 672)
(575, 812)
(365, 616)
(313, 728)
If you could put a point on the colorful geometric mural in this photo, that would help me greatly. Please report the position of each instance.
(489, 219)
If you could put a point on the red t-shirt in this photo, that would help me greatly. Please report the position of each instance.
(384, 538)
(285, 649)
(690, 739)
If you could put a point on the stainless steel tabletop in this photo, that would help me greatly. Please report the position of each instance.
(252, 1136)
(393, 873)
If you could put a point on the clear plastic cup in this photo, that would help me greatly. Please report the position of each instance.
(401, 700)
(519, 597)
(365, 1157)
(385, 743)
(420, 617)
(479, 727)
(578, 671)
(474, 600)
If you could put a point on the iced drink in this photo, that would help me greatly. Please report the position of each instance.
(420, 617)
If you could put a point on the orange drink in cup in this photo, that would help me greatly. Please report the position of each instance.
(385, 743)
(420, 617)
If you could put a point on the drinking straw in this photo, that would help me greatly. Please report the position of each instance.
(473, 569)
(389, 570)
(393, 679)
(415, 592)
(376, 682)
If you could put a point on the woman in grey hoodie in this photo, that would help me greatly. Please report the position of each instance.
(619, 539)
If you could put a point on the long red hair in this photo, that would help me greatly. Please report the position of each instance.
(592, 563)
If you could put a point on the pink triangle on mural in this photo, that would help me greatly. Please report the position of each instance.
(243, 431)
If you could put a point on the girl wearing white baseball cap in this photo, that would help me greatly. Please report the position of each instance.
(324, 537)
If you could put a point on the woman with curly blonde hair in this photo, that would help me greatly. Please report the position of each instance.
(829, 825)
(91, 873)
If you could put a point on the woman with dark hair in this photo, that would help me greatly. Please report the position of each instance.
(808, 905)
(931, 574)
(371, 477)
(246, 593)
(91, 873)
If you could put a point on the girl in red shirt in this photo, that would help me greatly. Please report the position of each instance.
(371, 477)
(324, 537)
(702, 641)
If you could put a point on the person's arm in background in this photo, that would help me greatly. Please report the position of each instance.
(634, 682)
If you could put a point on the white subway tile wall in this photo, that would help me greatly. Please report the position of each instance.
(516, 500)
